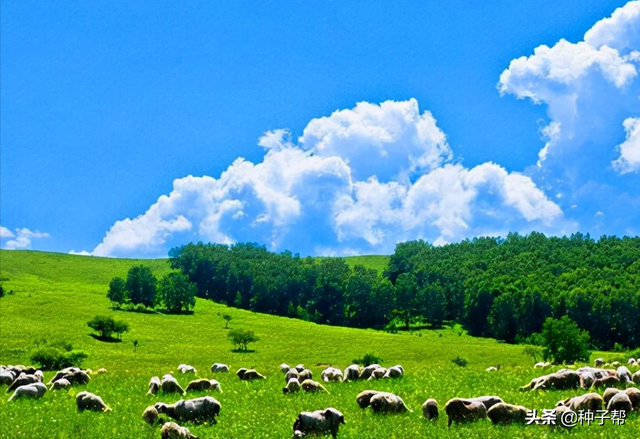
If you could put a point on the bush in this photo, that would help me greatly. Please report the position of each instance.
(368, 359)
(107, 326)
(241, 338)
(57, 356)
(564, 342)
(460, 361)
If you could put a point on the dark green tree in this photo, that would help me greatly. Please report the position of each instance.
(117, 291)
(241, 338)
(407, 303)
(177, 292)
(141, 285)
(564, 342)
(107, 326)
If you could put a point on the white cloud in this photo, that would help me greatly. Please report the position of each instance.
(80, 253)
(5, 233)
(590, 89)
(360, 180)
(629, 160)
(22, 239)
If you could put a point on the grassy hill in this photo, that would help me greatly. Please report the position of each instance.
(55, 295)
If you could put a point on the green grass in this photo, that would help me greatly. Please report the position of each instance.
(56, 295)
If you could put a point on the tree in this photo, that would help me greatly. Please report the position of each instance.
(141, 285)
(407, 299)
(177, 292)
(107, 326)
(227, 318)
(117, 291)
(564, 342)
(241, 338)
(534, 352)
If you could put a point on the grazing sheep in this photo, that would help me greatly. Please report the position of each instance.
(352, 373)
(312, 386)
(101, 371)
(192, 410)
(331, 374)
(76, 376)
(150, 416)
(559, 412)
(610, 381)
(378, 373)
(203, 384)
(293, 386)
(620, 401)
(492, 368)
(305, 374)
(364, 398)
(589, 401)
(90, 401)
(171, 430)
(63, 372)
(384, 402)
(34, 390)
(7, 377)
(318, 422)
(634, 396)
(608, 394)
(154, 386)
(598, 362)
(62, 383)
(185, 368)
(488, 401)
(430, 409)
(19, 368)
(292, 373)
(22, 380)
(368, 371)
(170, 385)
(240, 372)
(284, 368)
(503, 413)
(394, 372)
(251, 374)
(636, 377)
(219, 367)
(300, 367)
(540, 365)
(624, 375)
(463, 410)
(560, 380)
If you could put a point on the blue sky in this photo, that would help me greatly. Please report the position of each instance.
(340, 128)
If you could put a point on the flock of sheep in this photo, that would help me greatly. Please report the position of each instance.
(619, 394)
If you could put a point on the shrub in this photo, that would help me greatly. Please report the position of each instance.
(460, 361)
(107, 326)
(564, 342)
(241, 338)
(368, 359)
(57, 356)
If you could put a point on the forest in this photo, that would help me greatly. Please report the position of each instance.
(496, 287)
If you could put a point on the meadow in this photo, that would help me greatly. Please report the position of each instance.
(54, 296)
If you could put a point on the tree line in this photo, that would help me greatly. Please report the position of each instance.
(496, 287)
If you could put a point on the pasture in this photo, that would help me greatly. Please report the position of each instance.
(56, 295)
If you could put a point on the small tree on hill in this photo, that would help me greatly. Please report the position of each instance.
(564, 342)
(107, 326)
(141, 285)
(241, 338)
(177, 292)
(117, 291)
(227, 318)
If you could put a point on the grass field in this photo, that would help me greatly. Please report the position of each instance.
(55, 295)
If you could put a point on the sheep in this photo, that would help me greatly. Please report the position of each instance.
(598, 362)
(62, 383)
(384, 402)
(610, 381)
(430, 409)
(541, 365)
(624, 375)
(170, 385)
(76, 376)
(620, 401)
(488, 401)
(331, 374)
(312, 386)
(463, 410)
(352, 373)
(503, 413)
(150, 416)
(634, 396)
(367, 371)
(562, 380)
(364, 398)
(33, 390)
(318, 422)
(589, 401)
(300, 367)
(250, 375)
(203, 384)
(377, 373)
(185, 368)
(22, 380)
(292, 373)
(90, 401)
(192, 410)
(240, 372)
(293, 386)
(171, 430)
(636, 377)
(219, 367)
(101, 371)
(7, 377)
(492, 368)
(305, 374)
(154, 386)
(284, 368)
(63, 372)
(608, 394)
(19, 368)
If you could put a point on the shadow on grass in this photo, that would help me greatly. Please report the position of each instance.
(151, 311)
(106, 339)
(243, 351)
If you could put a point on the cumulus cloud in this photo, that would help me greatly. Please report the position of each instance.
(591, 91)
(21, 239)
(359, 180)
